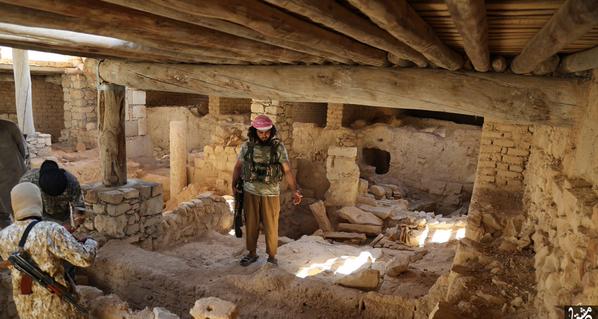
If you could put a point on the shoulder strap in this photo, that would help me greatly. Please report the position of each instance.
(26, 233)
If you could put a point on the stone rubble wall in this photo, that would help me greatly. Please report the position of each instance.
(562, 199)
(39, 145)
(280, 113)
(47, 104)
(132, 212)
(504, 153)
(192, 219)
(223, 106)
(80, 114)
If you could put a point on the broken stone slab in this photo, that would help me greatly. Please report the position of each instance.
(363, 199)
(380, 212)
(214, 308)
(112, 197)
(357, 216)
(362, 187)
(398, 265)
(163, 313)
(319, 211)
(365, 280)
(359, 228)
(355, 238)
(378, 191)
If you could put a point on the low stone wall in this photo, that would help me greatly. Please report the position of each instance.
(192, 219)
(39, 144)
(132, 211)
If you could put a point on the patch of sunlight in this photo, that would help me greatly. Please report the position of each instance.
(231, 202)
(460, 233)
(344, 265)
(441, 235)
(423, 236)
(352, 263)
(6, 53)
(315, 268)
(232, 232)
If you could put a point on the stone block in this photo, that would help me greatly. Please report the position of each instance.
(130, 193)
(111, 226)
(257, 108)
(490, 149)
(131, 128)
(163, 313)
(157, 190)
(112, 196)
(145, 191)
(138, 112)
(363, 186)
(516, 160)
(142, 127)
(153, 206)
(99, 208)
(517, 152)
(137, 97)
(214, 308)
(516, 168)
(365, 280)
(357, 216)
(350, 152)
(378, 191)
(132, 229)
(91, 126)
(117, 210)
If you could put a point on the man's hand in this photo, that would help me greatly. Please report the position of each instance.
(297, 197)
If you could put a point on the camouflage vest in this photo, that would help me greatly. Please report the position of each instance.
(266, 170)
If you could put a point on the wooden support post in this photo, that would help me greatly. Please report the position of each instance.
(20, 62)
(178, 157)
(469, 17)
(113, 151)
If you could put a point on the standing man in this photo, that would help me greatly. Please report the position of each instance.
(262, 163)
(12, 165)
(48, 244)
(60, 190)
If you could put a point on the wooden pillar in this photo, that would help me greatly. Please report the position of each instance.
(20, 63)
(113, 150)
(178, 157)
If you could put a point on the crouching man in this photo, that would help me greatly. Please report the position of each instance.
(49, 245)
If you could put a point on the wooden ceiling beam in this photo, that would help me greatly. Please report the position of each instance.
(51, 40)
(94, 17)
(470, 18)
(339, 18)
(580, 61)
(573, 19)
(162, 8)
(505, 97)
(277, 24)
(400, 20)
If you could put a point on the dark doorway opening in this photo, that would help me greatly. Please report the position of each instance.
(377, 158)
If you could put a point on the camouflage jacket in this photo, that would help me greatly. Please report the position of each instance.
(57, 207)
(49, 244)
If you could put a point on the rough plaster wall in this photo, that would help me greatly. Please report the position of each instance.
(441, 160)
(48, 113)
(562, 199)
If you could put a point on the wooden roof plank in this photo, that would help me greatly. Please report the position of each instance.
(400, 20)
(470, 18)
(101, 18)
(573, 19)
(341, 19)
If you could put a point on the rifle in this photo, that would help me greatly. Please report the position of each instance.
(28, 268)
(238, 221)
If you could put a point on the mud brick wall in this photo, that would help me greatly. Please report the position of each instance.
(47, 103)
(234, 106)
(304, 112)
(504, 152)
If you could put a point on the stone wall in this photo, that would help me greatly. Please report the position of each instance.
(214, 167)
(280, 113)
(193, 219)
(234, 106)
(334, 115)
(132, 211)
(39, 145)
(308, 113)
(504, 152)
(47, 104)
(80, 115)
(562, 200)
